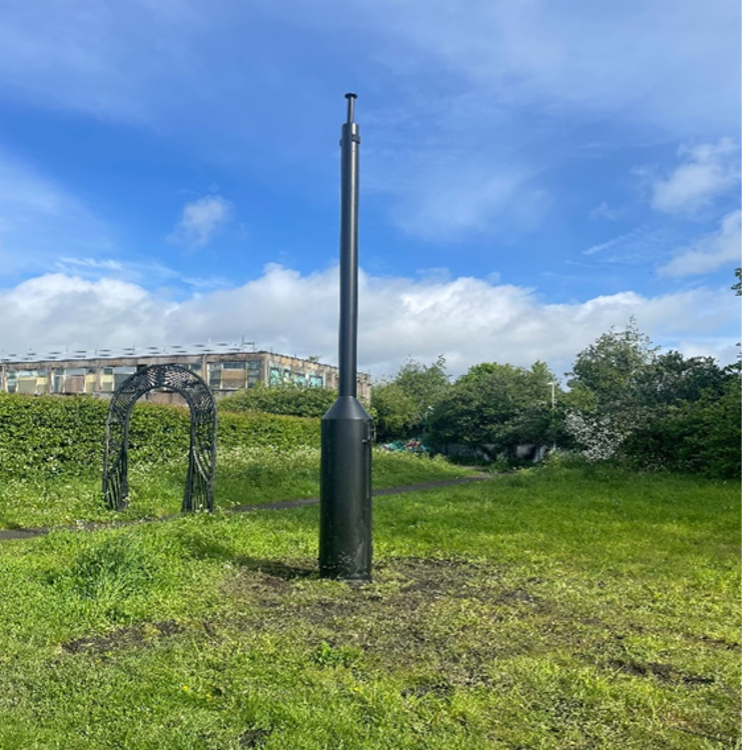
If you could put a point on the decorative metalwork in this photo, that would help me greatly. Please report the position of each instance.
(199, 492)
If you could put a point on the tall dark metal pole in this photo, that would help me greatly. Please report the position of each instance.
(345, 465)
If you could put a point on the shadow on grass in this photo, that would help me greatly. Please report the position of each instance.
(203, 548)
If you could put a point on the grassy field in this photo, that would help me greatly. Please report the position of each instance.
(244, 476)
(554, 608)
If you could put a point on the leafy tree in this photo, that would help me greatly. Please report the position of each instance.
(737, 289)
(603, 406)
(628, 401)
(671, 378)
(404, 402)
(496, 407)
(425, 384)
(693, 409)
(396, 410)
(606, 373)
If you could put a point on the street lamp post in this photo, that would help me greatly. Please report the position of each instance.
(552, 385)
(345, 461)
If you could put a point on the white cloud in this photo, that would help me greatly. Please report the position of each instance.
(468, 320)
(56, 311)
(707, 171)
(711, 252)
(201, 220)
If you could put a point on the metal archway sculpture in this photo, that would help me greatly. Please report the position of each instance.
(199, 492)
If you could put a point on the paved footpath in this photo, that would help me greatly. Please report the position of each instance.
(281, 505)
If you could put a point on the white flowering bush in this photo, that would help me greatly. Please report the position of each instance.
(599, 438)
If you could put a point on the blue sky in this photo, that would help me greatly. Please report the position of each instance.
(532, 174)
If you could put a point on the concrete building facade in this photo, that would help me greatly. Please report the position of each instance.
(224, 372)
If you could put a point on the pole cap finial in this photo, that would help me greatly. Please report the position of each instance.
(350, 98)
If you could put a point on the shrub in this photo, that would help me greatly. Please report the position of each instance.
(286, 398)
(50, 435)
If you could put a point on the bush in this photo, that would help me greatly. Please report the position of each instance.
(700, 437)
(286, 398)
(275, 430)
(50, 435)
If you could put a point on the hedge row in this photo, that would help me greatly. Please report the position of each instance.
(55, 435)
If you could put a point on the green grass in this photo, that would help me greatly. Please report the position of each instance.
(244, 476)
(547, 609)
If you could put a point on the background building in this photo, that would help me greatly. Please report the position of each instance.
(224, 372)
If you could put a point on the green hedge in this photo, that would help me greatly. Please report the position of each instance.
(286, 398)
(65, 435)
(277, 430)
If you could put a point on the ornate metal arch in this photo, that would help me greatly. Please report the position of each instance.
(199, 492)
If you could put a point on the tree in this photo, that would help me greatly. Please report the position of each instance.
(609, 369)
(425, 384)
(737, 289)
(404, 402)
(629, 402)
(701, 436)
(396, 410)
(671, 378)
(603, 407)
(496, 407)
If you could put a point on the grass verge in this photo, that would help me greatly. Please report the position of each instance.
(244, 476)
(547, 609)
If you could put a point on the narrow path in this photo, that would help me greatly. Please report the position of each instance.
(280, 505)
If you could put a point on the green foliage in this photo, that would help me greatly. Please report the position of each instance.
(546, 609)
(607, 373)
(292, 399)
(670, 378)
(396, 410)
(276, 430)
(700, 436)
(425, 384)
(659, 411)
(403, 404)
(48, 436)
(496, 405)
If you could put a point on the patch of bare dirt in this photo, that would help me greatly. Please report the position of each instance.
(132, 635)
(663, 672)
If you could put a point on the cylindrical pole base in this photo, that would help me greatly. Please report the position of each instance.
(345, 492)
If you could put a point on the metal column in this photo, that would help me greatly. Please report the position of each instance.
(345, 466)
